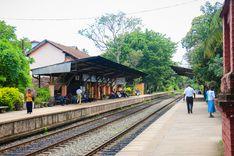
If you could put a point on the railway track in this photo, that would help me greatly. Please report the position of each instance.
(38, 145)
(98, 139)
(120, 140)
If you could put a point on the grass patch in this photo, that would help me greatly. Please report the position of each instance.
(220, 148)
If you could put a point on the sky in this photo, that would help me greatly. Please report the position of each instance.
(170, 17)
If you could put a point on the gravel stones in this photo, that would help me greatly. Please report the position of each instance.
(86, 143)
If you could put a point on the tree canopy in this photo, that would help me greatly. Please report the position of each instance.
(14, 67)
(203, 43)
(108, 28)
(148, 51)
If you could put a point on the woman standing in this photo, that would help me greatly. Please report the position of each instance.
(210, 99)
(29, 101)
(205, 93)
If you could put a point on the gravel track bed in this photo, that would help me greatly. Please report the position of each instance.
(61, 136)
(86, 143)
(79, 122)
(116, 146)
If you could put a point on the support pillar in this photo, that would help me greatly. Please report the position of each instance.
(51, 86)
(51, 89)
(96, 90)
(226, 97)
(39, 81)
(64, 90)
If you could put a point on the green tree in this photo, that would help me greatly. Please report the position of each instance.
(203, 43)
(149, 52)
(7, 32)
(108, 28)
(14, 67)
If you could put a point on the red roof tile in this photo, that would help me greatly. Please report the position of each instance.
(66, 49)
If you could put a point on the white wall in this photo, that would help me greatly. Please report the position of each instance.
(46, 55)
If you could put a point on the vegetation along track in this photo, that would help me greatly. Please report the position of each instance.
(38, 145)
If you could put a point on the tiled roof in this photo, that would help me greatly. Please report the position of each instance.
(34, 41)
(66, 49)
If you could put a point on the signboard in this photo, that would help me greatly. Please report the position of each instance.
(86, 77)
(120, 81)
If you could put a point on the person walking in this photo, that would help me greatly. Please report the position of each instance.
(205, 92)
(79, 95)
(29, 101)
(189, 94)
(210, 100)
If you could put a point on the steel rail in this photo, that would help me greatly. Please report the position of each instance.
(114, 138)
(79, 135)
(36, 151)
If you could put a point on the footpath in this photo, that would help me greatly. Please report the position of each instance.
(178, 133)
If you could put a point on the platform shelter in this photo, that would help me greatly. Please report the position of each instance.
(183, 71)
(95, 75)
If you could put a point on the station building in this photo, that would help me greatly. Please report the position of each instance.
(64, 69)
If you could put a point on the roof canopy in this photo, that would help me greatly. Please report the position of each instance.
(183, 71)
(92, 65)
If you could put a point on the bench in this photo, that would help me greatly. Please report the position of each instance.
(3, 108)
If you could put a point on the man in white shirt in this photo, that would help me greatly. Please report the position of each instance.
(189, 93)
(79, 95)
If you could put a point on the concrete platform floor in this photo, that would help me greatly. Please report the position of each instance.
(17, 115)
(177, 133)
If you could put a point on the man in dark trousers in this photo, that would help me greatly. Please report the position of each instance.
(189, 94)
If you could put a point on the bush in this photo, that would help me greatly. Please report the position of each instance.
(11, 97)
(38, 101)
(43, 95)
(128, 91)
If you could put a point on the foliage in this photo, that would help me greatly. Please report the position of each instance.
(108, 28)
(38, 101)
(11, 97)
(14, 67)
(46, 130)
(43, 95)
(176, 83)
(204, 44)
(7, 32)
(149, 52)
(179, 83)
(128, 90)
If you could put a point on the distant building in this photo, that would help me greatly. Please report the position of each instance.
(47, 53)
(65, 68)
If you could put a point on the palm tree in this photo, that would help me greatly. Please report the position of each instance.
(213, 43)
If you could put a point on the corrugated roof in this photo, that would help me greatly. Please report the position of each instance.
(66, 49)
(183, 71)
(95, 65)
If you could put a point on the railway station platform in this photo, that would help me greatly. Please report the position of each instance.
(178, 133)
(17, 115)
(17, 124)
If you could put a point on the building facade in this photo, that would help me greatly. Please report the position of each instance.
(47, 53)
(226, 98)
